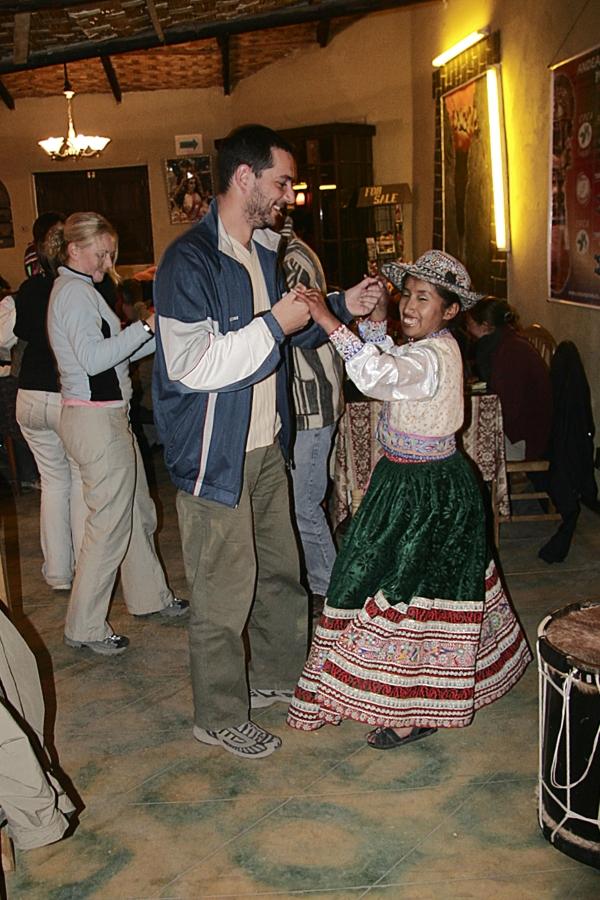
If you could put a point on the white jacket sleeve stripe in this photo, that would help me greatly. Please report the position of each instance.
(201, 358)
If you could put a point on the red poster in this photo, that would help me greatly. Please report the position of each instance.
(575, 237)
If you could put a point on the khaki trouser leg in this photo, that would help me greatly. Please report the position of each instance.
(142, 576)
(99, 441)
(278, 627)
(220, 547)
(218, 553)
(102, 444)
(28, 798)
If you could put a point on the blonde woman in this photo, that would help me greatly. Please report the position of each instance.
(93, 355)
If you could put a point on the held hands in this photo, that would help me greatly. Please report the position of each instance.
(291, 312)
(295, 309)
(364, 297)
(379, 312)
(318, 308)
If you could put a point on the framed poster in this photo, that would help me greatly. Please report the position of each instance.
(189, 188)
(574, 245)
(467, 180)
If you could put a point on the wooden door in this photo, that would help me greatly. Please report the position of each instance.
(120, 194)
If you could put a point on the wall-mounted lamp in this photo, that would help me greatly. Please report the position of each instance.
(498, 154)
(328, 187)
(299, 186)
(300, 198)
(460, 47)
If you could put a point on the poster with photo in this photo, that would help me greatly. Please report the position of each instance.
(189, 188)
(575, 181)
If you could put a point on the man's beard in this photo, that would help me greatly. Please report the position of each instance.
(260, 212)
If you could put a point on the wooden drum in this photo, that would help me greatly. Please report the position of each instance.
(568, 650)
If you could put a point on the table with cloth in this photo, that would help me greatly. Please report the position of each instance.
(357, 449)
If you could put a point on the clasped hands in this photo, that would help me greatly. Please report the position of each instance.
(296, 308)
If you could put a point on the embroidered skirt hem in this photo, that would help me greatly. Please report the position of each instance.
(427, 663)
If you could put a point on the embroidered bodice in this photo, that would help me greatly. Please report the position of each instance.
(421, 384)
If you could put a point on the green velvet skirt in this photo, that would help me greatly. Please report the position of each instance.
(419, 532)
(417, 629)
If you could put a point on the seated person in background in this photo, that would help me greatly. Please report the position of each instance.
(513, 369)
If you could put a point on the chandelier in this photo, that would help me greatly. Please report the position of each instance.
(74, 145)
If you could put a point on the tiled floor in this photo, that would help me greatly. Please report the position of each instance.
(450, 817)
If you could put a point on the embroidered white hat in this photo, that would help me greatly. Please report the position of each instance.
(437, 268)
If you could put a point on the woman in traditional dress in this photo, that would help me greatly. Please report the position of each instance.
(417, 632)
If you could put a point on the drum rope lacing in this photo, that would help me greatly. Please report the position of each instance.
(566, 694)
(564, 726)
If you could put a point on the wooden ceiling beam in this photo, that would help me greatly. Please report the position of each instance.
(15, 6)
(111, 77)
(6, 96)
(158, 31)
(223, 41)
(195, 31)
(21, 38)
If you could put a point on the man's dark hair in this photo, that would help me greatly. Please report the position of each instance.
(250, 145)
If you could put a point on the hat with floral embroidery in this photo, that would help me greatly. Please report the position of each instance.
(437, 268)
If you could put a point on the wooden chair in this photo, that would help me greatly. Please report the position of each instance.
(542, 340)
(544, 343)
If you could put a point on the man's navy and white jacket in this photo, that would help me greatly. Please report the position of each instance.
(211, 349)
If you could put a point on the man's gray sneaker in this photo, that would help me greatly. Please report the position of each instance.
(255, 732)
(247, 740)
(261, 699)
(175, 608)
(110, 646)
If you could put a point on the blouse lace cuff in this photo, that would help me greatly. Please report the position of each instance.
(372, 332)
(346, 343)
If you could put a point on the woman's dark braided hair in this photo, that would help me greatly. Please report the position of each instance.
(494, 311)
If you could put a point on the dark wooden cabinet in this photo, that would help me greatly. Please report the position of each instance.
(120, 194)
(334, 160)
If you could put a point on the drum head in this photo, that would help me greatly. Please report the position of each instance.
(574, 632)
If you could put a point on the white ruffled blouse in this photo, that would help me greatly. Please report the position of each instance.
(421, 384)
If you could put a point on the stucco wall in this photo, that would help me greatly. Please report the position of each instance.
(378, 71)
(142, 129)
(363, 75)
(532, 31)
